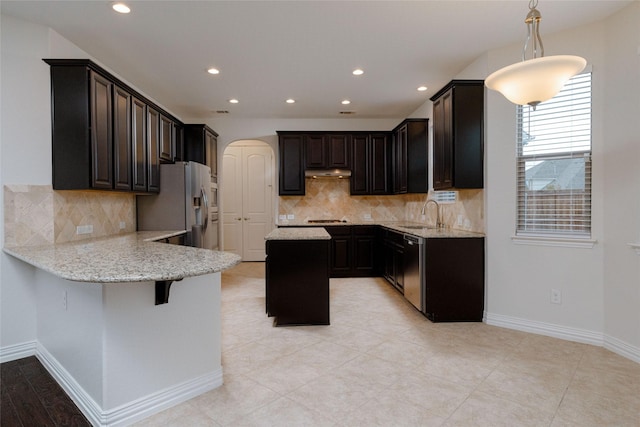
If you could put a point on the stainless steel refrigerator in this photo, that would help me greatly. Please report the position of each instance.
(184, 203)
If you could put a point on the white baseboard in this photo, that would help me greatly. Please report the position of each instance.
(622, 348)
(566, 333)
(17, 351)
(542, 328)
(80, 397)
(135, 410)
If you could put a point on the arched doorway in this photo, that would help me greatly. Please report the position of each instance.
(247, 198)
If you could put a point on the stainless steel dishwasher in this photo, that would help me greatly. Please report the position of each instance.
(414, 270)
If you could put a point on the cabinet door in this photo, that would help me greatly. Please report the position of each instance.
(166, 139)
(211, 146)
(316, 152)
(178, 139)
(139, 141)
(364, 250)
(360, 162)
(338, 150)
(101, 132)
(122, 152)
(153, 147)
(291, 169)
(400, 161)
(379, 164)
(341, 250)
(442, 142)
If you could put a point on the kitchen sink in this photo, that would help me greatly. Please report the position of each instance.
(417, 227)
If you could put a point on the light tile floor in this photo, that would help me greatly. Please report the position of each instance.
(381, 363)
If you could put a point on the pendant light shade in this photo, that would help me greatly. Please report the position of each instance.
(535, 80)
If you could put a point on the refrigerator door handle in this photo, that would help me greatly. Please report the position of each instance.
(205, 199)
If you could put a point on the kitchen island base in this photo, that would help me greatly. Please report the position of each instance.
(297, 280)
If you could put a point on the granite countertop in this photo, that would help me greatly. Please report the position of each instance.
(131, 257)
(400, 226)
(299, 233)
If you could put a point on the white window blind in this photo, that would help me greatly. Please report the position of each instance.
(554, 164)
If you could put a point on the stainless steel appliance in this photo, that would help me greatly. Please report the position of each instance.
(414, 270)
(182, 204)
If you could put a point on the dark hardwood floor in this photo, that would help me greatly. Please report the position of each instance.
(31, 397)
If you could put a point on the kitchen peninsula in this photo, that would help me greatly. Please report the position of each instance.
(119, 354)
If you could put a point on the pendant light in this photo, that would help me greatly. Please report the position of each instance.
(538, 79)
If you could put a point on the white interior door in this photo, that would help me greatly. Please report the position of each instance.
(247, 200)
(232, 200)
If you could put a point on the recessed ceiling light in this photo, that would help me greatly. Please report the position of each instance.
(358, 72)
(233, 101)
(422, 88)
(213, 71)
(121, 8)
(290, 101)
(346, 102)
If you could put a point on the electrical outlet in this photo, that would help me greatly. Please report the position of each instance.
(291, 216)
(84, 229)
(64, 300)
(556, 296)
(282, 217)
(367, 217)
(123, 225)
(460, 220)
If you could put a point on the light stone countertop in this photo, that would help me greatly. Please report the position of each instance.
(400, 226)
(299, 233)
(131, 257)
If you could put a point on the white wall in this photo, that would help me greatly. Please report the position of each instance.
(520, 277)
(25, 147)
(622, 177)
(25, 139)
(600, 286)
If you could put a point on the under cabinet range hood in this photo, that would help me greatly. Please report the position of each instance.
(327, 173)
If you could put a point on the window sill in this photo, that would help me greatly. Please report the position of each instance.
(565, 242)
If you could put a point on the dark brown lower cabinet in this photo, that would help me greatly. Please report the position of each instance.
(454, 279)
(353, 250)
(393, 257)
(297, 282)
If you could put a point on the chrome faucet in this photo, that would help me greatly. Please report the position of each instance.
(424, 207)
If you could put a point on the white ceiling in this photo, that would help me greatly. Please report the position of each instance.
(268, 51)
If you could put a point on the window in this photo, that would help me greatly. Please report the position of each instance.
(554, 164)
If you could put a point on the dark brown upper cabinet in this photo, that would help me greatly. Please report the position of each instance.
(153, 145)
(139, 143)
(410, 157)
(328, 151)
(369, 163)
(122, 149)
(201, 145)
(458, 135)
(105, 135)
(291, 168)
(167, 142)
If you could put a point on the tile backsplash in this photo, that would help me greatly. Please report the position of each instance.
(36, 214)
(329, 198)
